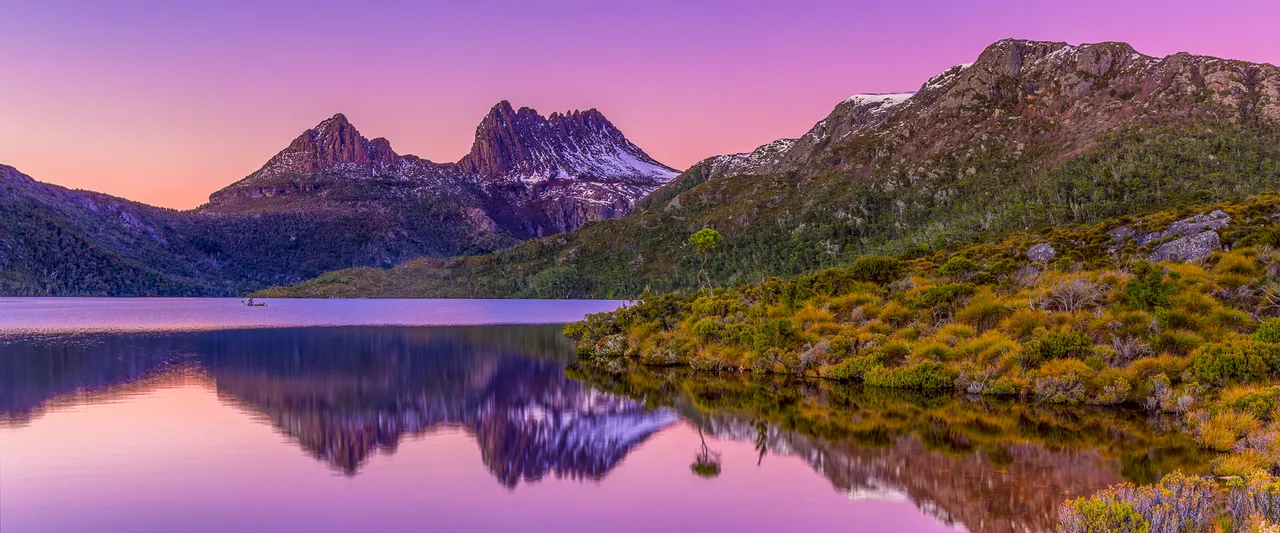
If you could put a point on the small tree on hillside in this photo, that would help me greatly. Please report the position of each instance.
(704, 242)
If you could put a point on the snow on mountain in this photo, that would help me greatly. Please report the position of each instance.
(884, 100)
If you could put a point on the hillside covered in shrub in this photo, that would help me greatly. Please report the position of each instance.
(1086, 314)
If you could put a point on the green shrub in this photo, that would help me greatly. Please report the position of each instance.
(1057, 345)
(957, 266)
(1260, 403)
(1239, 360)
(1147, 287)
(876, 269)
(944, 295)
(1269, 331)
(1003, 386)
(1092, 515)
(926, 376)
(708, 329)
(854, 367)
(777, 334)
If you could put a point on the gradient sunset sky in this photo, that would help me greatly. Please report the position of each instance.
(165, 102)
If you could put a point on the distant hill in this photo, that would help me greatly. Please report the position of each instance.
(332, 199)
(1030, 134)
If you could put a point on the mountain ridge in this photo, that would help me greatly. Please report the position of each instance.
(332, 198)
(1030, 133)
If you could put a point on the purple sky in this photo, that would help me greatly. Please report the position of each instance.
(165, 102)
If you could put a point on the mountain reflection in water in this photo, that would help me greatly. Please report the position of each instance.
(345, 395)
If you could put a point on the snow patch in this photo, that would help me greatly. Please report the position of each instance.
(884, 100)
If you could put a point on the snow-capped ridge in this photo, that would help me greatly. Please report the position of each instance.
(883, 99)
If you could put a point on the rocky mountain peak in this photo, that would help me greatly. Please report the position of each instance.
(332, 143)
(524, 145)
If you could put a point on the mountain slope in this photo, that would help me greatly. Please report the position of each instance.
(332, 199)
(1030, 134)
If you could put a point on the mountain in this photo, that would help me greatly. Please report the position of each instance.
(331, 199)
(1030, 134)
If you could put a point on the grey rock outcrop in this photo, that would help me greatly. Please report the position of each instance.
(1214, 220)
(1188, 248)
(1121, 235)
(1042, 253)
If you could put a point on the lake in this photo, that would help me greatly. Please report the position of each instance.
(159, 415)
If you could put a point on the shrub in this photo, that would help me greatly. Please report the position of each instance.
(777, 334)
(1074, 295)
(1057, 345)
(896, 314)
(1269, 331)
(1260, 403)
(1115, 393)
(957, 267)
(1176, 342)
(1221, 431)
(1242, 360)
(876, 269)
(1177, 503)
(1023, 322)
(984, 312)
(1003, 386)
(708, 329)
(1147, 287)
(1244, 464)
(1096, 515)
(1063, 381)
(844, 306)
(926, 375)
(894, 351)
(854, 367)
(944, 295)
(932, 350)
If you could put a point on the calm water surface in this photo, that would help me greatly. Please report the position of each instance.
(111, 420)
(190, 314)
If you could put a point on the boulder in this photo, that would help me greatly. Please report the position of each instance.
(1188, 248)
(1041, 253)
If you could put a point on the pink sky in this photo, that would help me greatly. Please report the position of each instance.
(165, 102)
